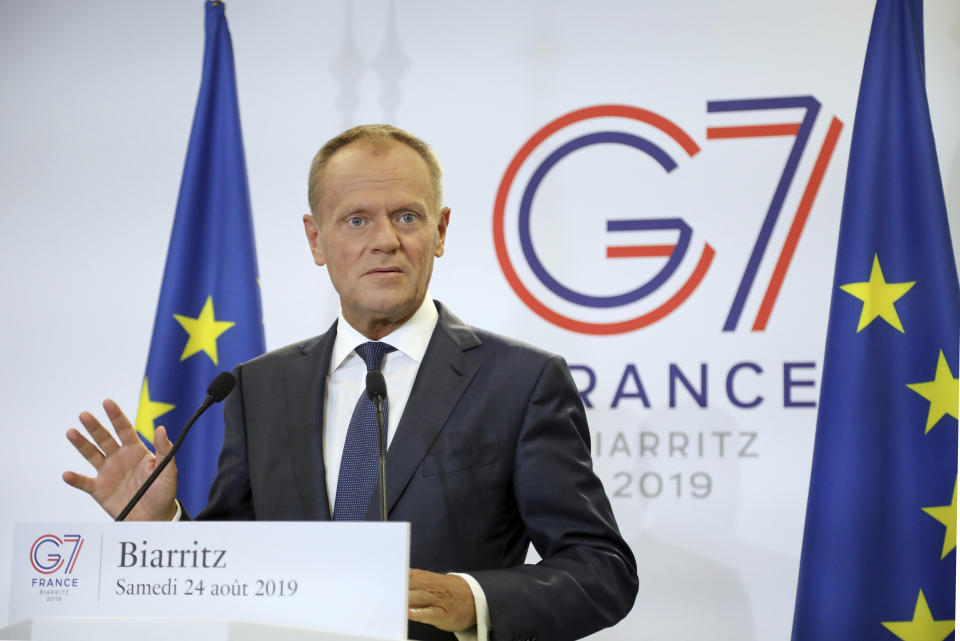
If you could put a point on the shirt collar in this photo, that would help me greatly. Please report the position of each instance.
(411, 338)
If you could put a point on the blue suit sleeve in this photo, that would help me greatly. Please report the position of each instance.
(587, 578)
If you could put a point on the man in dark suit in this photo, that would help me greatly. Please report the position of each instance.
(488, 441)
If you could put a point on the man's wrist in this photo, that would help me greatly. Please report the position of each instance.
(482, 630)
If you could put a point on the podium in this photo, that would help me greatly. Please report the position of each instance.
(145, 629)
(282, 581)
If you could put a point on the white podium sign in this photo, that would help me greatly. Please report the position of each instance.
(348, 578)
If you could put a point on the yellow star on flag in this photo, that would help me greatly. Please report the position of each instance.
(922, 627)
(147, 411)
(947, 514)
(942, 392)
(204, 331)
(878, 297)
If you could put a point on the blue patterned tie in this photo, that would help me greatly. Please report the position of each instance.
(360, 464)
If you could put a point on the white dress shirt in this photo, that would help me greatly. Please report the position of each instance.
(347, 381)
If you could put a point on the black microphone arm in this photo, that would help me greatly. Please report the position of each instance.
(376, 392)
(216, 392)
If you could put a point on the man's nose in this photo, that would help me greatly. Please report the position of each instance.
(384, 236)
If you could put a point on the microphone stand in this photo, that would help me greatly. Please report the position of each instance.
(383, 460)
(376, 389)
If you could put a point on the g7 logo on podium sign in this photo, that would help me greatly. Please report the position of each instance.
(50, 553)
(603, 300)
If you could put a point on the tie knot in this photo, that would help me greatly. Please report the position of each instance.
(373, 352)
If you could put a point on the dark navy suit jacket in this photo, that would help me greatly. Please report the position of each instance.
(492, 453)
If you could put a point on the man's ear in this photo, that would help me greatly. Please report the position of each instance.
(442, 230)
(312, 230)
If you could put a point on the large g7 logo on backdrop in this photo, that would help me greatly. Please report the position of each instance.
(606, 302)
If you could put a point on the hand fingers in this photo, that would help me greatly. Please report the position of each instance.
(99, 433)
(87, 449)
(430, 616)
(121, 424)
(422, 588)
(420, 599)
(79, 481)
(161, 442)
(419, 578)
(451, 617)
(442, 600)
(428, 599)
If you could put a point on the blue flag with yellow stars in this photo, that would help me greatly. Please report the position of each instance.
(879, 544)
(209, 316)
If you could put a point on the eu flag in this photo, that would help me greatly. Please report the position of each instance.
(209, 316)
(879, 544)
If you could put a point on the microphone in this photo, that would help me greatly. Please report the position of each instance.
(220, 387)
(376, 392)
(218, 390)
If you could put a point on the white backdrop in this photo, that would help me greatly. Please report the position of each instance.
(95, 110)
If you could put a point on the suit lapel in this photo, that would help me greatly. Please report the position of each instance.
(443, 377)
(305, 385)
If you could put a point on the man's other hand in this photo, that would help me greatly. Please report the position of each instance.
(123, 467)
(441, 600)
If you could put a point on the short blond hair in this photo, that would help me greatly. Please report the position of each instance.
(379, 136)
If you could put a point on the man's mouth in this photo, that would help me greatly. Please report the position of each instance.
(383, 270)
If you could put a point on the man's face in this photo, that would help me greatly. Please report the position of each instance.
(377, 231)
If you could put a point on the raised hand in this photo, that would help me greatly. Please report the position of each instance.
(122, 467)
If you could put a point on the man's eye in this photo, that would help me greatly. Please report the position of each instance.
(355, 221)
(408, 217)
